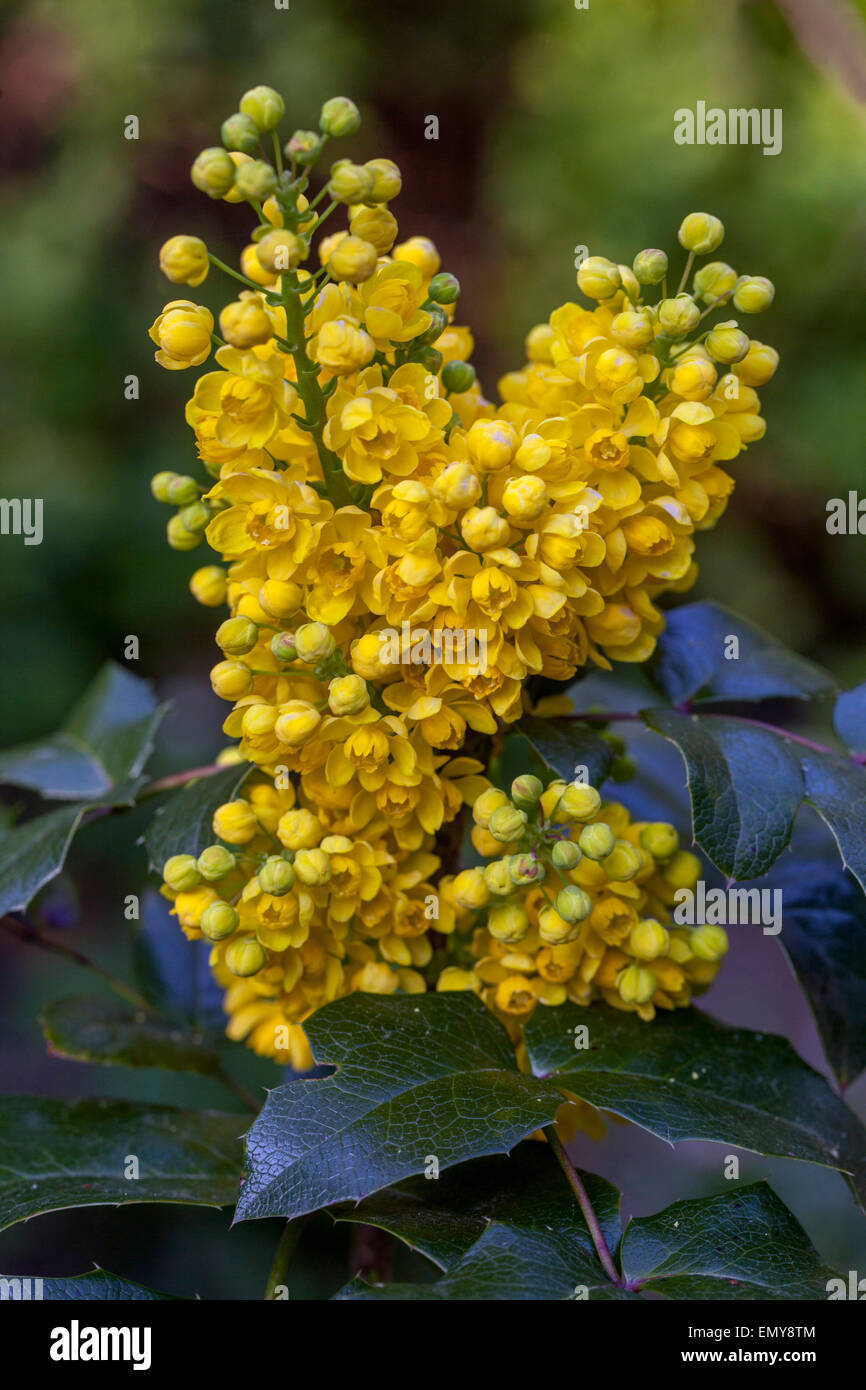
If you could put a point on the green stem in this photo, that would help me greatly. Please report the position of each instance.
(25, 931)
(310, 391)
(284, 1252)
(278, 157)
(221, 265)
(585, 1205)
(689, 263)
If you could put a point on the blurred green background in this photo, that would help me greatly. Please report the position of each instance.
(555, 130)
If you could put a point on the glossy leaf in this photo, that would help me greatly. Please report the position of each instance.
(90, 1028)
(184, 825)
(565, 745)
(745, 784)
(56, 1154)
(415, 1075)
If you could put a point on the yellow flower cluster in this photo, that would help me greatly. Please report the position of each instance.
(402, 556)
(298, 915)
(576, 906)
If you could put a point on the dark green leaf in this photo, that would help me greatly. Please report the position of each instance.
(825, 937)
(685, 1076)
(89, 1028)
(97, 1285)
(184, 824)
(743, 1244)
(171, 971)
(101, 748)
(565, 745)
(416, 1075)
(444, 1217)
(56, 1154)
(690, 660)
(745, 784)
(836, 788)
(33, 853)
(849, 716)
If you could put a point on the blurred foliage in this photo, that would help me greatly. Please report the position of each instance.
(556, 130)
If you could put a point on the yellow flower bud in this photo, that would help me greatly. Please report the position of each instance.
(758, 365)
(701, 232)
(708, 943)
(276, 876)
(572, 903)
(693, 378)
(339, 116)
(208, 585)
(231, 679)
(264, 106)
(181, 873)
(244, 323)
(678, 316)
(279, 251)
(634, 328)
(313, 867)
(507, 823)
(485, 804)
(184, 261)
(524, 498)
(213, 172)
(352, 259)
(235, 822)
(349, 183)
(215, 862)
(470, 890)
(245, 956)
(660, 839)
(713, 280)
(253, 268)
(649, 939)
(508, 922)
(498, 877)
(753, 294)
(280, 598)
(650, 266)
(526, 869)
(296, 723)
(375, 225)
(218, 921)
(255, 180)
(314, 642)
(491, 444)
(180, 537)
(348, 695)
(419, 251)
(636, 984)
(579, 801)
(183, 332)
(387, 180)
(566, 855)
(299, 830)
(682, 870)
(598, 278)
(483, 528)
(622, 863)
(514, 996)
(526, 791)
(190, 906)
(236, 636)
(367, 656)
(554, 929)
(457, 486)
(726, 342)
(240, 132)
(539, 341)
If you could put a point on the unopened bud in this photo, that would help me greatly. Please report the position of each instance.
(215, 862)
(526, 791)
(246, 956)
(181, 873)
(213, 172)
(636, 984)
(597, 841)
(572, 903)
(237, 636)
(649, 939)
(650, 266)
(508, 823)
(218, 921)
(701, 232)
(708, 943)
(566, 855)
(264, 106)
(276, 876)
(339, 116)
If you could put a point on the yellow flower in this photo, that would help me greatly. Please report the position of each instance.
(392, 300)
(250, 398)
(184, 260)
(183, 331)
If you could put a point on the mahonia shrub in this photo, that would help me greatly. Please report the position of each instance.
(407, 866)
(402, 558)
